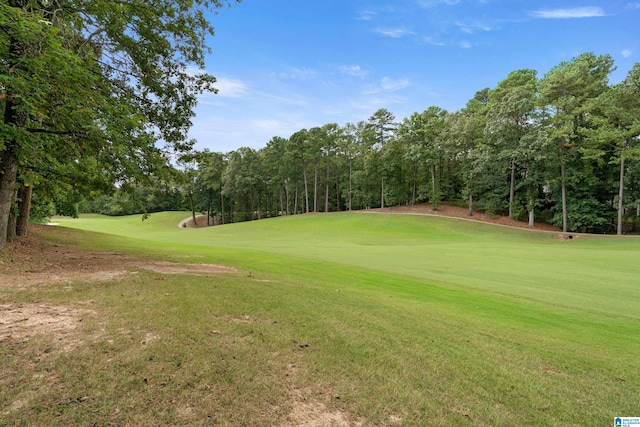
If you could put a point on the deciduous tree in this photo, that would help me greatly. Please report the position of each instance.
(101, 79)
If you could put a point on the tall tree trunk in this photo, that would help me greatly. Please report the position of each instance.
(259, 207)
(621, 197)
(24, 208)
(532, 218)
(351, 182)
(414, 191)
(338, 204)
(326, 191)
(315, 187)
(512, 187)
(295, 202)
(470, 204)
(306, 188)
(434, 202)
(13, 218)
(9, 159)
(9, 167)
(286, 195)
(193, 209)
(532, 215)
(222, 206)
(564, 191)
(281, 191)
(9, 163)
(209, 206)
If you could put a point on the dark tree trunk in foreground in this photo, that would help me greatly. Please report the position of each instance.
(24, 208)
(9, 166)
(9, 161)
(13, 218)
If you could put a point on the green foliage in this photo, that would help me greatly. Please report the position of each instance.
(89, 88)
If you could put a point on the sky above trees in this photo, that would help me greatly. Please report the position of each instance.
(283, 65)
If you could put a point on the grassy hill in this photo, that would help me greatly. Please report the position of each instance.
(348, 319)
(590, 272)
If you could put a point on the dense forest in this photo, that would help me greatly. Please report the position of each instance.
(561, 149)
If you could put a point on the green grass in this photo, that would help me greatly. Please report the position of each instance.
(596, 272)
(389, 319)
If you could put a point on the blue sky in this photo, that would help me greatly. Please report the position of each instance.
(287, 65)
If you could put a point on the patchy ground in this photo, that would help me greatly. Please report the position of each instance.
(20, 322)
(32, 262)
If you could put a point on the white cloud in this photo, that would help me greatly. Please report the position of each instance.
(294, 73)
(627, 53)
(633, 6)
(434, 41)
(353, 70)
(230, 88)
(366, 15)
(465, 45)
(394, 32)
(393, 85)
(473, 28)
(428, 4)
(388, 84)
(579, 12)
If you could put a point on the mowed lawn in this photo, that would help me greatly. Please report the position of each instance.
(352, 319)
(589, 273)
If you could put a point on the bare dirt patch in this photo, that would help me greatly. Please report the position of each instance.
(167, 267)
(316, 414)
(20, 322)
(31, 261)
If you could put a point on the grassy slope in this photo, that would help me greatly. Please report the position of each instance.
(428, 320)
(597, 273)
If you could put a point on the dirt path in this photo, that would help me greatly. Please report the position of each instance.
(446, 210)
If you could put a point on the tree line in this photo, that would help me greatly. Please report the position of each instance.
(562, 149)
